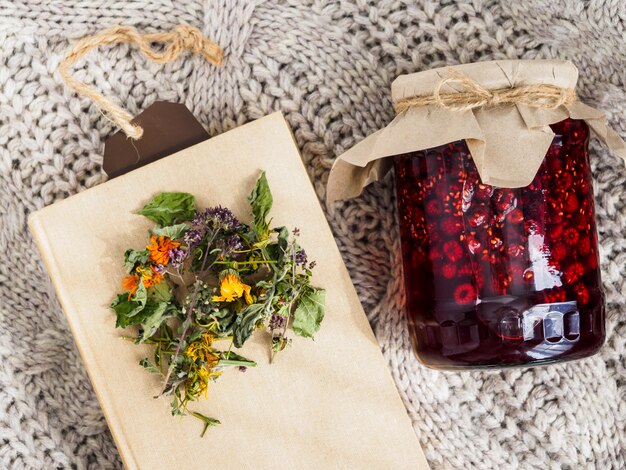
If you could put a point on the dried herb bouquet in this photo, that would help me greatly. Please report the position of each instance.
(206, 277)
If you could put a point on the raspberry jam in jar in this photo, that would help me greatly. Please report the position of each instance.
(498, 276)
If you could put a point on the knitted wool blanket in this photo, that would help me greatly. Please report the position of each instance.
(327, 65)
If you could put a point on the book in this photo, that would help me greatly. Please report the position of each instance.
(327, 403)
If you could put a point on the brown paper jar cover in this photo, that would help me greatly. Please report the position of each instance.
(507, 142)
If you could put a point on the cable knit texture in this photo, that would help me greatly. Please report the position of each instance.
(327, 65)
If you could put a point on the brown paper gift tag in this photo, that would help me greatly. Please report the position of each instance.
(328, 403)
(167, 129)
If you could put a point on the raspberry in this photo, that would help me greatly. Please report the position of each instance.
(434, 253)
(570, 236)
(532, 227)
(555, 164)
(442, 189)
(582, 294)
(484, 191)
(571, 203)
(473, 245)
(495, 242)
(515, 250)
(558, 252)
(450, 226)
(464, 270)
(448, 270)
(583, 222)
(584, 187)
(516, 216)
(565, 180)
(584, 246)
(505, 201)
(465, 294)
(573, 272)
(555, 295)
(478, 218)
(453, 250)
(556, 231)
(434, 207)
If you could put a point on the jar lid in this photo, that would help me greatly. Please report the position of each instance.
(502, 109)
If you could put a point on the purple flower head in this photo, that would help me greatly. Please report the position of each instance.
(276, 322)
(193, 237)
(177, 257)
(216, 217)
(159, 268)
(300, 257)
(242, 368)
(229, 244)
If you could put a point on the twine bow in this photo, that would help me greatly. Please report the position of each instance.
(182, 38)
(476, 96)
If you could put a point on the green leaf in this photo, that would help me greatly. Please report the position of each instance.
(176, 410)
(161, 292)
(277, 250)
(230, 358)
(309, 313)
(172, 231)
(125, 309)
(168, 208)
(129, 312)
(141, 294)
(154, 314)
(134, 257)
(246, 323)
(261, 202)
(146, 364)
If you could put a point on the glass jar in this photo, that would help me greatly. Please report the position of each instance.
(497, 276)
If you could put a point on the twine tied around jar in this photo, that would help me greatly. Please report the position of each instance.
(183, 37)
(476, 96)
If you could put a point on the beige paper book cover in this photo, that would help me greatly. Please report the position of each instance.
(328, 403)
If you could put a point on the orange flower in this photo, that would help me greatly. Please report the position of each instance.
(231, 289)
(149, 277)
(130, 283)
(159, 248)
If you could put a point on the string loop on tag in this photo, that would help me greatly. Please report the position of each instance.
(182, 38)
(476, 96)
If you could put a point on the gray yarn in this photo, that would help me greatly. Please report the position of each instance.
(328, 66)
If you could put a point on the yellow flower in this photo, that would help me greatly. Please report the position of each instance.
(231, 288)
(201, 349)
(200, 382)
(203, 382)
(149, 276)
